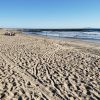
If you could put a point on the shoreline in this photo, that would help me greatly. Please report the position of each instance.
(65, 38)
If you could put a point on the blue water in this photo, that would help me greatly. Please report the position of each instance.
(88, 36)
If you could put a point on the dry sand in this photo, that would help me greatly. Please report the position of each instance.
(36, 68)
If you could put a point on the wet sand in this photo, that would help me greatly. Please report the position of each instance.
(37, 68)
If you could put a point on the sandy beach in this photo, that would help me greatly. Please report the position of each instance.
(38, 68)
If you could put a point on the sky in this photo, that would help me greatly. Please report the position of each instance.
(50, 13)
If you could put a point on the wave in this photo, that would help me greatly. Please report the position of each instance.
(75, 35)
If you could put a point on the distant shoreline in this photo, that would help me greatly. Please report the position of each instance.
(51, 34)
(54, 29)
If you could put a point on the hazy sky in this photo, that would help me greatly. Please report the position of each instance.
(50, 13)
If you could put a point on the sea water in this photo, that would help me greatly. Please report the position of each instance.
(88, 36)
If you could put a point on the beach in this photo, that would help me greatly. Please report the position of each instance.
(39, 68)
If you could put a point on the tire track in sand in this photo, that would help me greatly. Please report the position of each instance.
(29, 77)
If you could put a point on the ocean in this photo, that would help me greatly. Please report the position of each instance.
(86, 36)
